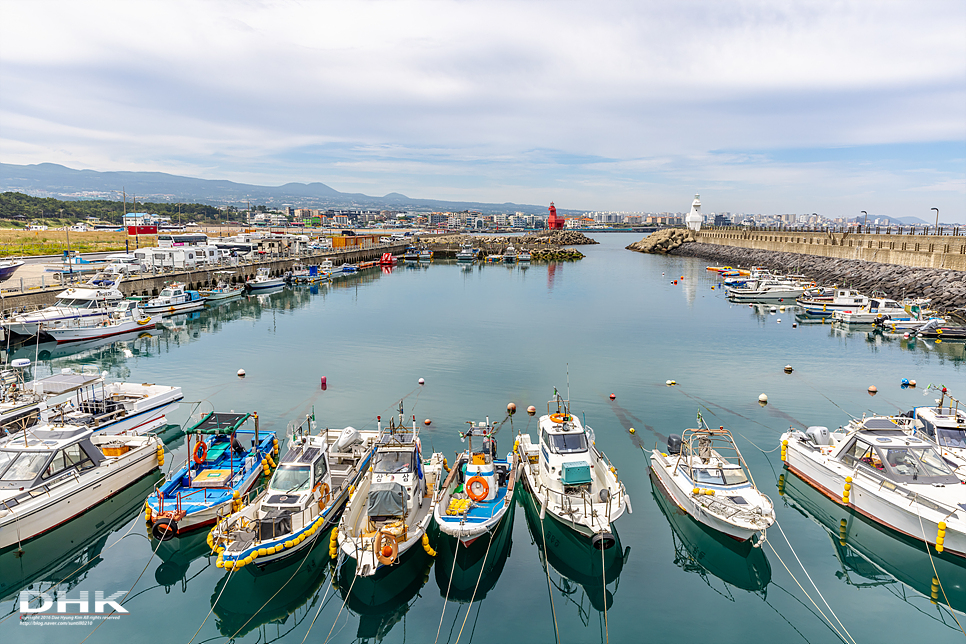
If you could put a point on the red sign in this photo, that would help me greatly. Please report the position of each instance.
(142, 230)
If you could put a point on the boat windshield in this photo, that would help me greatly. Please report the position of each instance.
(26, 467)
(916, 462)
(5, 458)
(393, 463)
(568, 443)
(290, 478)
(719, 476)
(166, 293)
(949, 437)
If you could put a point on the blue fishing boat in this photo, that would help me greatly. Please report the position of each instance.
(225, 460)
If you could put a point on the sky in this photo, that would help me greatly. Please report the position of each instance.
(760, 106)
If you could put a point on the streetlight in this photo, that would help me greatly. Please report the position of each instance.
(937, 219)
(866, 224)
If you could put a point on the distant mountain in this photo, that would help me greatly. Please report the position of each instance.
(912, 221)
(52, 180)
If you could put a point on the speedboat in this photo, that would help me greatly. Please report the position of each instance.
(569, 479)
(50, 474)
(263, 279)
(944, 426)
(524, 256)
(303, 499)
(225, 460)
(704, 473)
(8, 266)
(899, 481)
(765, 289)
(223, 289)
(877, 309)
(510, 255)
(124, 318)
(824, 305)
(466, 253)
(92, 300)
(385, 520)
(174, 298)
(425, 255)
(479, 489)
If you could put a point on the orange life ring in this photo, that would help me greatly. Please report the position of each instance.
(386, 560)
(201, 447)
(324, 495)
(559, 418)
(469, 488)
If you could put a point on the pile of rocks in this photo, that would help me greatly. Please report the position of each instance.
(662, 241)
(946, 288)
(556, 255)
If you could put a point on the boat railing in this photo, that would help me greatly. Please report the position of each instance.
(913, 497)
(565, 500)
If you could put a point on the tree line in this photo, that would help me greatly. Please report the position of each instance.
(20, 207)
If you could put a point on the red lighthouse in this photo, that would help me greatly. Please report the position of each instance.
(554, 222)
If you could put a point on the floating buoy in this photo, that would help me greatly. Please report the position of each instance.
(872, 390)
(511, 408)
(906, 335)
(912, 383)
(323, 382)
(613, 396)
(763, 398)
(682, 277)
(422, 382)
(674, 282)
(531, 410)
(427, 422)
(905, 382)
(779, 320)
(670, 383)
(782, 308)
(794, 325)
(632, 430)
(751, 306)
(788, 368)
(241, 373)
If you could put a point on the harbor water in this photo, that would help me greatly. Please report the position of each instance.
(481, 337)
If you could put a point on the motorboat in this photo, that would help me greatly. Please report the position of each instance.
(347, 269)
(824, 305)
(50, 474)
(765, 289)
(899, 481)
(425, 255)
(386, 519)
(937, 329)
(466, 253)
(705, 474)
(125, 317)
(411, 254)
(478, 492)
(226, 456)
(943, 425)
(173, 299)
(8, 266)
(91, 300)
(524, 256)
(569, 479)
(263, 279)
(877, 309)
(510, 255)
(304, 498)
(223, 289)
(23, 404)
(306, 275)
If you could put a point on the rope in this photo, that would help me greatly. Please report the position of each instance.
(478, 579)
(448, 585)
(546, 569)
(321, 604)
(213, 604)
(933, 564)
(603, 576)
(347, 595)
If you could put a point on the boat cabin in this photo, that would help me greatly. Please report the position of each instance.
(895, 456)
(565, 448)
(708, 457)
(945, 426)
(44, 457)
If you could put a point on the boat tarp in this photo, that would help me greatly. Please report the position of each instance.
(387, 500)
(219, 423)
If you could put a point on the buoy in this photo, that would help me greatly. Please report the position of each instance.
(779, 320)
(782, 308)
(324, 383)
(905, 382)
(763, 398)
(788, 368)
(613, 396)
(794, 325)
(668, 382)
(906, 335)
(531, 410)
(427, 422)
(422, 382)
(912, 383)
(674, 282)
(632, 430)
(511, 408)
(241, 373)
(872, 390)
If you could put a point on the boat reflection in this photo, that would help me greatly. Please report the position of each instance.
(62, 558)
(577, 570)
(274, 602)
(871, 556)
(467, 574)
(176, 556)
(700, 550)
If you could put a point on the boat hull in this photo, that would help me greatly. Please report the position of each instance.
(97, 332)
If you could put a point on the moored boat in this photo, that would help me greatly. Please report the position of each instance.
(90, 300)
(174, 298)
(263, 280)
(466, 253)
(125, 317)
(824, 305)
(524, 256)
(223, 289)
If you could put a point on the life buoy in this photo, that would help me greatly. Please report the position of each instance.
(324, 496)
(201, 452)
(472, 483)
(559, 418)
(393, 545)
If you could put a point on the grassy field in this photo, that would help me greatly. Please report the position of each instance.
(54, 242)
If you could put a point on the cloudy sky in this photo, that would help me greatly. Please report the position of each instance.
(770, 106)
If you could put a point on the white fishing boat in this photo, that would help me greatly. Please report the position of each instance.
(704, 473)
(569, 479)
(173, 299)
(124, 318)
(23, 404)
(524, 256)
(878, 308)
(91, 300)
(387, 516)
(304, 498)
(479, 489)
(52, 473)
(510, 255)
(425, 255)
(899, 481)
(945, 426)
(824, 305)
(766, 289)
(223, 288)
(263, 279)
(466, 253)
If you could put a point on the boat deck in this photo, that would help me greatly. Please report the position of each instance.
(480, 511)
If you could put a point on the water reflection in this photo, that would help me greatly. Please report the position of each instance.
(176, 556)
(871, 556)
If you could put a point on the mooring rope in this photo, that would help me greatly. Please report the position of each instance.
(933, 564)
(347, 595)
(452, 572)
(603, 576)
(546, 569)
(478, 579)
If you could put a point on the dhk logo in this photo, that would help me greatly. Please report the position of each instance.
(80, 604)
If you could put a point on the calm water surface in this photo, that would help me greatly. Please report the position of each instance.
(482, 337)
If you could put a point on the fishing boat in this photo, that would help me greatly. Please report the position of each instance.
(303, 499)
(824, 305)
(226, 456)
(425, 255)
(125, 317)
(8, 266)
(263, 279)
(411, 254)
(510, 255)
(348, 269)
(877, 309)
(386, 519)
(569, 479)
(524, 256)
(174, 298)
(765, 290)
(92, 300)
(479, 489)
(943, 426)
(223, 289)
(50, 474)
(466, 253)
(329, 270)
(704, 473)
(306, 275)
(875, 468)
(23, 404)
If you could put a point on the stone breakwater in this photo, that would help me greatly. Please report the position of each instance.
(547, 246)
(946, 288)
(662, 241)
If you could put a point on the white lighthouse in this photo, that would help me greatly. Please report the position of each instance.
(694, 218)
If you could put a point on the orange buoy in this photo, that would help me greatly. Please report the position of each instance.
(873, 390)
(427, 422)
(387, 551)
(531, 410)
(613, 396)
(511, 408)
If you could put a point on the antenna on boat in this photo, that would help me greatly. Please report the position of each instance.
(568, 381)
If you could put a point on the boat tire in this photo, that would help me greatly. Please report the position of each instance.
(602, 541)
(164, 529)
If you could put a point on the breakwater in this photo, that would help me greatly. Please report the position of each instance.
(946, 287)
(547, 246)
